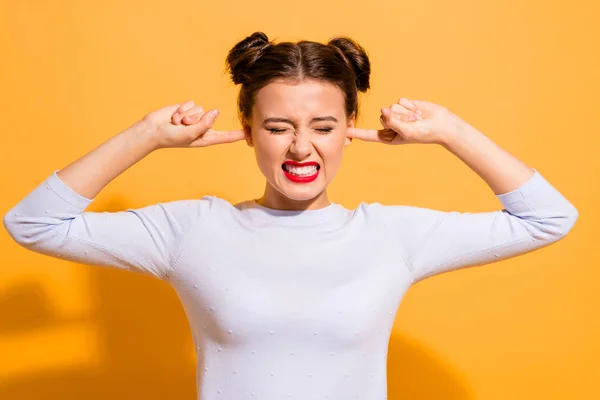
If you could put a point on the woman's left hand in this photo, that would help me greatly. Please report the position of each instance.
(411, 121)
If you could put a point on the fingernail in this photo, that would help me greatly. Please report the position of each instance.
(419, 112)
(214, 113)
(385, 111)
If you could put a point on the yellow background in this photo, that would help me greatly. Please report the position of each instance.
(523, 72)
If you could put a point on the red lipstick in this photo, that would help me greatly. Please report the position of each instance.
(300, 179)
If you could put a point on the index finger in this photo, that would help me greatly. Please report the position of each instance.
(231, 136)
(212, 136)
(370, 135)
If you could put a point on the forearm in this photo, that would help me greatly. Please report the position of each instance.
(89, 174)
(500, 170)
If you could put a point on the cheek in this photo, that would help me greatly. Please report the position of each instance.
(331, 154)
(268, 152)
(332, 146)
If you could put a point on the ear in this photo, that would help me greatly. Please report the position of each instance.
(247, 133)
(351, 121)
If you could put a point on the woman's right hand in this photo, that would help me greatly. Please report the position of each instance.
(187, 125)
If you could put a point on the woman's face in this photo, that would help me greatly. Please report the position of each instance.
(298, 122)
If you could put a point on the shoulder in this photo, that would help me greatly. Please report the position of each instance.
(204, 208)
(397, 213)
(380, 209)
(200, 207)
(181, 212)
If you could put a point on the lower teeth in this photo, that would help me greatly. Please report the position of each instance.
(301, 175)
(291, 173)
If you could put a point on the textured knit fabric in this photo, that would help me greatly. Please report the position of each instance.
(288, 304)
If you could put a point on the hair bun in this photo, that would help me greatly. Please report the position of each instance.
(356, 59)
(244, 54)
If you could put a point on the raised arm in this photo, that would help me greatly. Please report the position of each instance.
(51, 219)
(535, 214)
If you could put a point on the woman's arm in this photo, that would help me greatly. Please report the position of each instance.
(535, 214)
(432, 242)
(183, 125)
(88, 175)
(502, 171)
(51, 219)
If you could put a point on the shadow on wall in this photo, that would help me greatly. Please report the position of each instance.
(144, 341)
(414, 373)
(139, 341)
(146, 350)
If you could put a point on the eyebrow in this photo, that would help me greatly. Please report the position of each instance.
(316, 119)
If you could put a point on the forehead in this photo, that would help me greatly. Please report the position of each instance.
(298, 100)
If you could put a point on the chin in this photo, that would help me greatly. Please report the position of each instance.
(301, 195)
(300, 192)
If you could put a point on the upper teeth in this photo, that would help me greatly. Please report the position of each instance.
(309, 170)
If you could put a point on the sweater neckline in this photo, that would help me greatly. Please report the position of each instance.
(261, 214)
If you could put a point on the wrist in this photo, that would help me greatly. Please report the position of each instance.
(147, 134)
(142, 135)
(457, 130)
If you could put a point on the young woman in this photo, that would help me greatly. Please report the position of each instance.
(291, 295)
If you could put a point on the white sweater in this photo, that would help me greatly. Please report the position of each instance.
(288, 304)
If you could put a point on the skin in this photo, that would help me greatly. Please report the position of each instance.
(300, 138)
(404, 122)
(188, 126)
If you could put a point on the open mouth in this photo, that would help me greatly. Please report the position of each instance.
(301, 171)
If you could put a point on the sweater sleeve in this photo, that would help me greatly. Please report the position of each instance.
(51, 220)
(534, 215)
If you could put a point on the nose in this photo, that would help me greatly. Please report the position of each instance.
(301, 146)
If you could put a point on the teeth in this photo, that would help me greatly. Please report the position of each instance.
(301, 171)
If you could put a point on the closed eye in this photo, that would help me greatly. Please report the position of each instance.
(320, 130)
(325, 130)
(275, 131)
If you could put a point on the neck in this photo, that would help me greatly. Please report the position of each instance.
(275, 200)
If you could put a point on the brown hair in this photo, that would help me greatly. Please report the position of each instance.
(255, 62)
